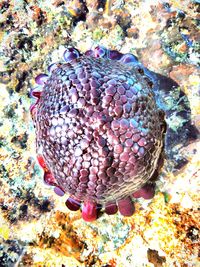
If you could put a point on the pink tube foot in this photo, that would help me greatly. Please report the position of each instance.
(59, 191)
(100, 51)
(49, 179)
(70, 54)
(73, 204)
(111, 208)
(41, 78)
(147, 192)
(129, 58)
(126, 206)
(114, 55)
(89, 211)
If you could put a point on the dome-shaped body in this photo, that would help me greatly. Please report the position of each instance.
(98, 128)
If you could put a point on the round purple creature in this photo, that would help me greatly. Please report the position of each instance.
(99, 132)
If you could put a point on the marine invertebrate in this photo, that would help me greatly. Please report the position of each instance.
(99, 131)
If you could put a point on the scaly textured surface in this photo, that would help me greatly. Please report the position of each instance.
(98, 128)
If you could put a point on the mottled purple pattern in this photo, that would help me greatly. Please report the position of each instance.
(99, 129)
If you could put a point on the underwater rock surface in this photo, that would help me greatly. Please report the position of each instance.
(36, 229)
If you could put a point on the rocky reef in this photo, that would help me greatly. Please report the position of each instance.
(36, 228)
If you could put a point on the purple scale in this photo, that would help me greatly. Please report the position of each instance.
(123, 137)
(127, 149)
(118, 110)
(93, 170)
(94, 83)
(115, 140)
(129, 142)
(102, 175)
(95, 100)
(89, 137)
(103, 151)
(113, 180)
(84, 172)
(72, 76)
(118, 174)
(76, 81)
(129, 93)
(112, 82)
(93, 178)
(128, 134)
(86, 164)
(107, 162)
(124, 123)
(127, 108)
(95, 116)
(84, 81)
(133, 123)
(124, 156)
(81, 76)
(87, 74)
(101, 141)
(142, 142)
(74, 98)
(107, 99)
(132, 160)
(84, 179)
(71, 134)
(81, 102)
(125, 85)
(111, 90)
(121, 90)
(70, 54)
(95, 92)
(118, 148)
(135, 148)
(116, 96)
(64, 109)
(95, 162)
(41, 78)
(96, 75)
(101, 188)
(73, 112)
(107, 125)
(91, 186)
(123, 99)
(84, 143)
(115, 124)
(136, 137)
(89, 53)
(110, 171)
(141, 152)
(118, 102)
